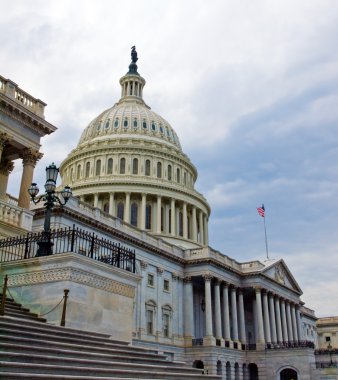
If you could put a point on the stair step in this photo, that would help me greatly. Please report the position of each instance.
(87, 372)
(127, 350)
(14, 357)
(24, 315)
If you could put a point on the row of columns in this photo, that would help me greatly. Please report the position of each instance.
(199, 220)
(276, 319)
(29, 159)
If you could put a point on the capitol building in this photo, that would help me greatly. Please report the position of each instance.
(134, 188)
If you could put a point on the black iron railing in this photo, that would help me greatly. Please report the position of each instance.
(69, 240)
(291, 344)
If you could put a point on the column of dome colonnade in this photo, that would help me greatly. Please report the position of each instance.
(278, 319)
(129, 163)
(189, 221)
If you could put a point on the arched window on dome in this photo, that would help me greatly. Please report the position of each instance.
(78, 172)
(107, 124)
(110, 166)
(98, 167)
(178, 175)
(169, 172)
(185, 178)
(87, 169)
(135, 124)
(153, 126)
(135, 166)
(99, 126)
(125, 123)
(148, 217)
(116, 123)
(147, 168)
(180, 224)
(122, 165)
(159, 170)
(133, 215)
(120, 210)
(144, 124)
(161, 128)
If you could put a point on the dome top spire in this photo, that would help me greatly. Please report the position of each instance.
(134, 59)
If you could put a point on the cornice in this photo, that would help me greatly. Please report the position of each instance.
(25, 117)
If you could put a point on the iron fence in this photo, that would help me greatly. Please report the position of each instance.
(69, 240)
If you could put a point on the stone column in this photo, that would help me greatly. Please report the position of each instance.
(288, 320)
(96, 199)
(173, 217)
(278, 320)
(201, 227)
(159, 212)
(266, 318)
(111, 204)
(185, 221)
(294, 322)
(6, 168)
(226, 314)
(205, 226)
(299, 323)
(188, 309)
(166, 208)
(234, 321)
(218, 319)
(126, 216)
(4, 138)
(158, 301)
(29, 159)
(143, 211)
(242, 333)
(284, 326)
(260, 327)
(194, 224)
(208, 309)
(272, 319)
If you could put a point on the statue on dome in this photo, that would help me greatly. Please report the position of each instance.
(134, 54)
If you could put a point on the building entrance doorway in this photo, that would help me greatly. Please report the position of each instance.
(288, 374)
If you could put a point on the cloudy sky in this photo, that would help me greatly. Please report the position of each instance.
(250, 86)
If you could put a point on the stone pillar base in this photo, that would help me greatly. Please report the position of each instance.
(260, 346)
(209, 341)
(220, 342)
(188, 340)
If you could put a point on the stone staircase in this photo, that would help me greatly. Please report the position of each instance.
(30, 348)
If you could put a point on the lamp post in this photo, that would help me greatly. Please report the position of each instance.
(329, 347)
(50, 198)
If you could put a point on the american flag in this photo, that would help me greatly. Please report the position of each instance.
(261, 211)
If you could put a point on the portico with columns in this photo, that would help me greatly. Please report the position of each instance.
(22, 124)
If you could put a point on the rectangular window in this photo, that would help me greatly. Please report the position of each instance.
(150, 326)
(150, 279)
(166, 285)
(328, 339)
(166, 325)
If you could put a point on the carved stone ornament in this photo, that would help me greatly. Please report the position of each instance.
(74, 275)
(30, 156)
(207, 277)
(160, 271)
(6, 167)
(280, 274)
(143, 264)
(4, 138)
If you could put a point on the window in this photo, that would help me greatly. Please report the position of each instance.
(185, 178)
(135, 124)
(133, 218)
(98, 167)
(116, 124)
(150, 322)
(135, 166)
(145, 125)
(110, 166)
(178, 175)
(120, 210)
(161, 128)
(125, 123)
(159, 170)
(98, 126)
(180, 224)
(107, 124)
(122, 166)
(147, 168)
(148, 217)
(166, 321)
(166, 285)
(153, 126)
(150, 279)
(169, 172)
(87, 169)
(328, 339)
(78, 172)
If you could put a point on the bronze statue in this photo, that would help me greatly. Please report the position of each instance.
(134, 54)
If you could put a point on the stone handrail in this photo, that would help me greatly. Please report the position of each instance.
(12, 90)
(14, 215)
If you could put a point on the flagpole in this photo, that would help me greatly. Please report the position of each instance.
(266, 240)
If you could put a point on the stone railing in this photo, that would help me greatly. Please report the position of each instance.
(14, 215)
(12, 90)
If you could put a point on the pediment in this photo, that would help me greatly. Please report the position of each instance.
(280, 273)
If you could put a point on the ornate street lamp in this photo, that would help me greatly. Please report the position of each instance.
(329, 348)
(50, 198)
